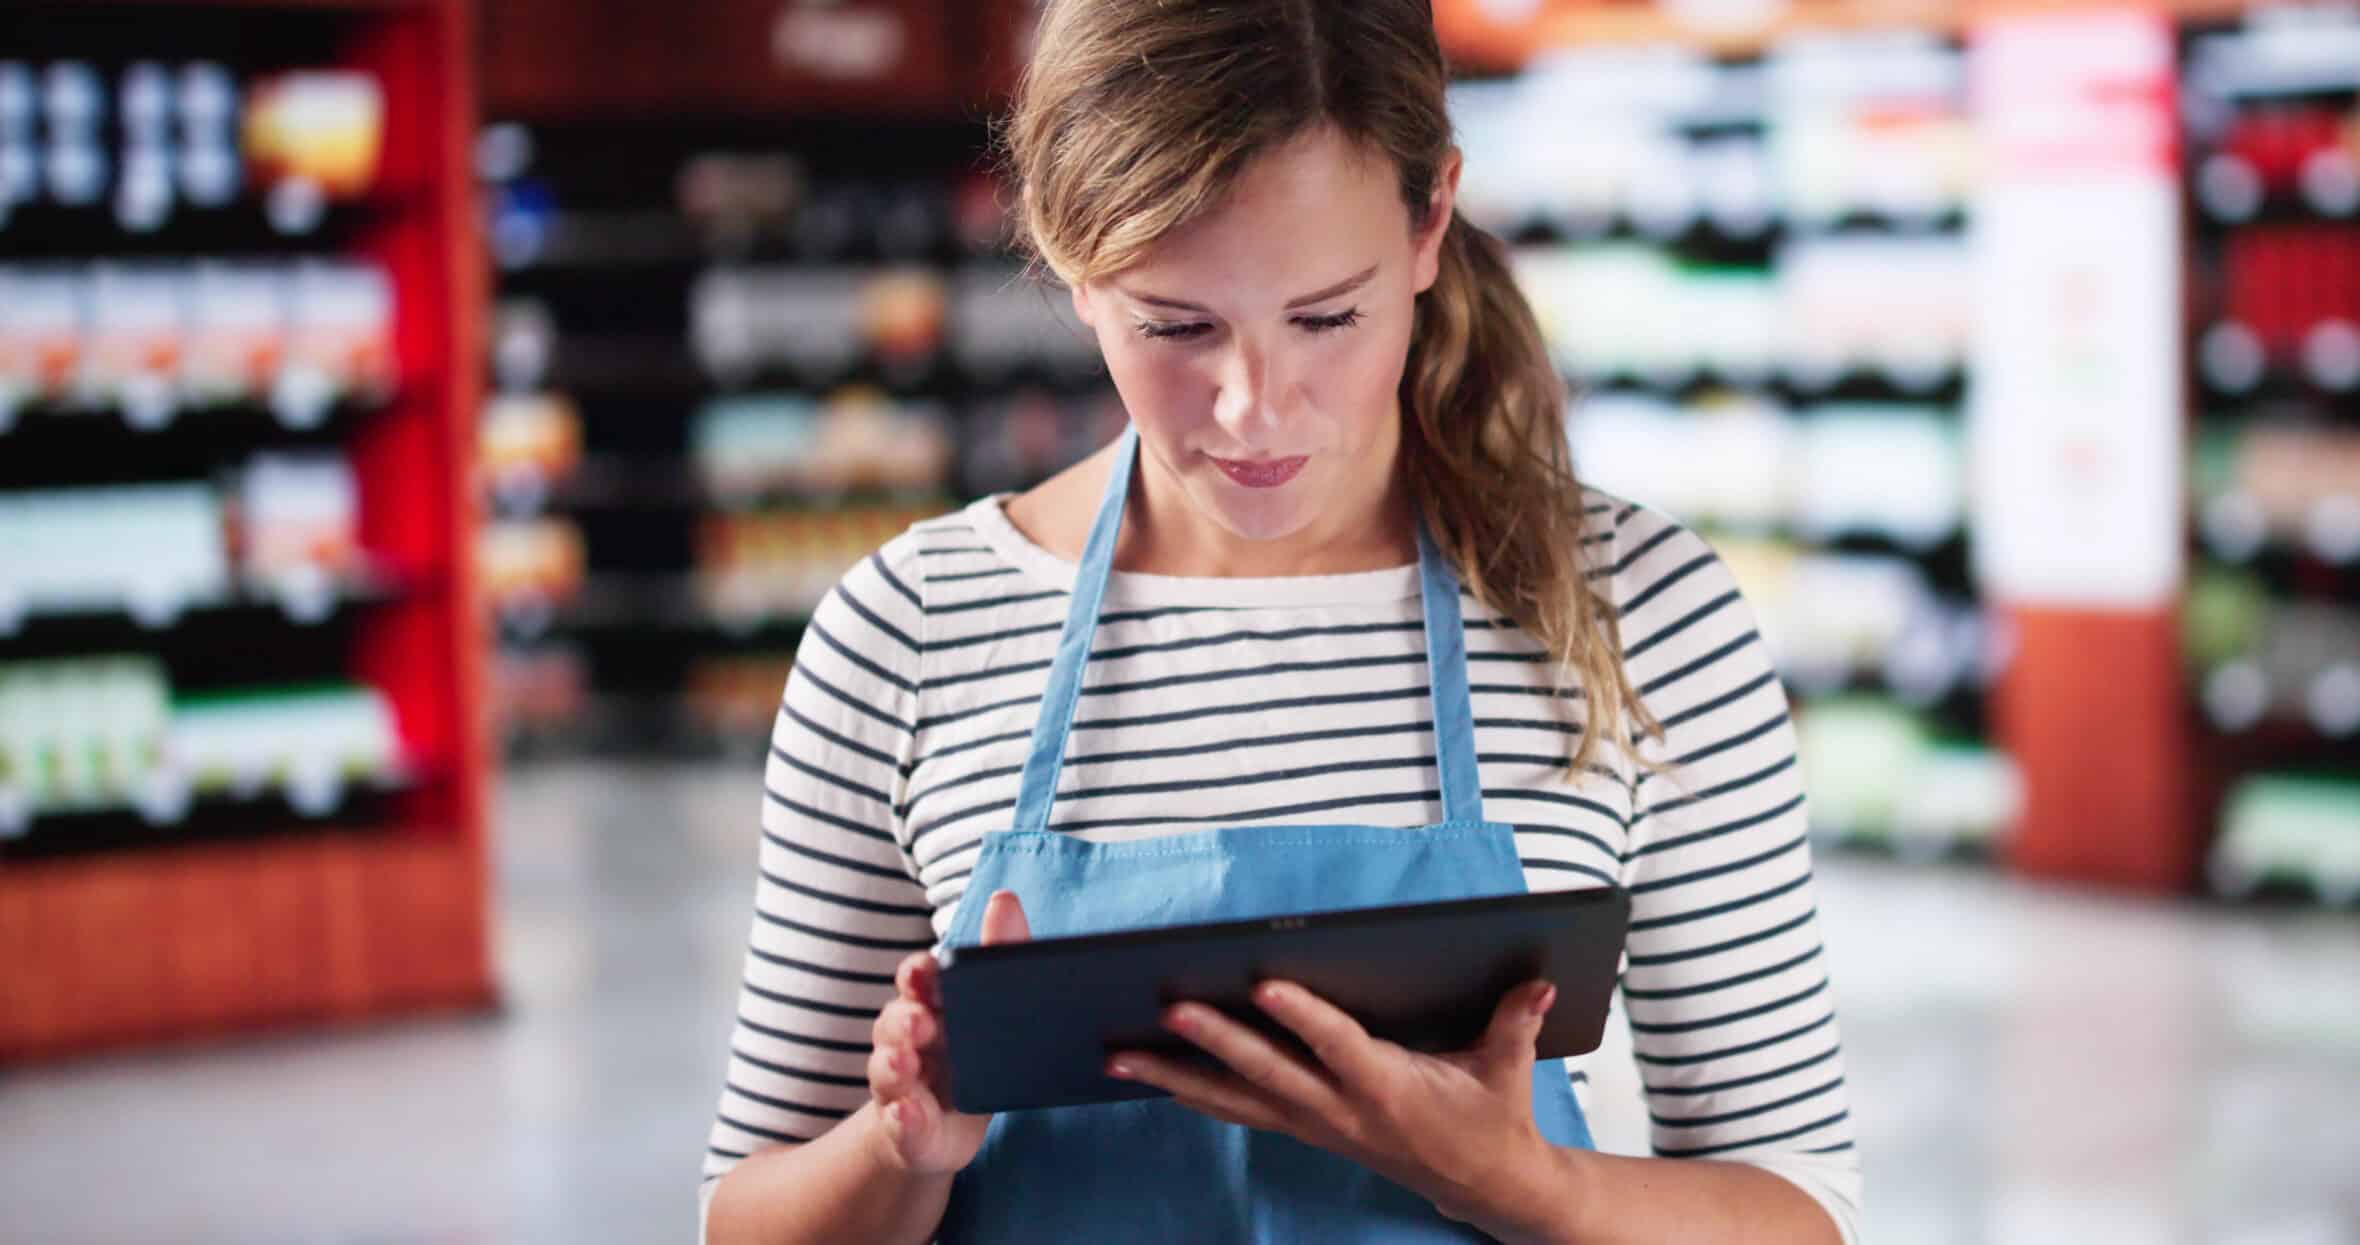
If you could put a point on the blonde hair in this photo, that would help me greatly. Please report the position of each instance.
(1135, 117)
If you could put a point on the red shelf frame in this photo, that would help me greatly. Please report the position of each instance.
(203, 940)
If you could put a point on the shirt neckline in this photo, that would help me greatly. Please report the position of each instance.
(1138, 588)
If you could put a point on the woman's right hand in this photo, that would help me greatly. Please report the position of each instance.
(909, 1067)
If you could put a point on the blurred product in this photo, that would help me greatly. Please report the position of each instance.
(2264, 658)
(2294, 829)
(734, 201)
(299, 518)
(1731, 468)
(1869, 124)
(1830, 620)
(99, 734)
(2290, 299)
(744, 322)
(1734, 461)
(980, 215)
(762, 567)
(2292, 151)
(239, 323)
(754, 444)
(1631, 160)
(321, 127)
(144, 340)
(309, 741)
(2301, 483)
(1004, 322)
(858, 439)
(1877, 771)
(1885, 469)
(1738, 464)
(1019, 439)
(529, 441)
(1895, 305)
(901, 314)
(79, 735)
(41, 336)
(153, 550)
(737, 697)
(530, 565)
(342, 347)
(136, 335)
(2223, 616)
(541, 689)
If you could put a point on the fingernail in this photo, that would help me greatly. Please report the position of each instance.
(1271, 995)
(1119, 1069)
(1548, 998)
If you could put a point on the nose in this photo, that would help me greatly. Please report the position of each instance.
(1247, 400)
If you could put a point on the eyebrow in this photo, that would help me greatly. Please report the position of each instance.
(1346, 286)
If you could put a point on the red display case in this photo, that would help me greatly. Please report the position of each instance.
(262, 919)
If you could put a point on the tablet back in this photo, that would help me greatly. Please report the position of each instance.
(1031, 1024)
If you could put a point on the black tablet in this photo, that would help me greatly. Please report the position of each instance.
(1030, 1024)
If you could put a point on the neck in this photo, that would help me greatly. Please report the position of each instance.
(1372, 529)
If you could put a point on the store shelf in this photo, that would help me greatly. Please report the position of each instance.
(249, 227)
(169, 811)
(301, 600)
(648, 603)
(276, 893)
(1942, 385)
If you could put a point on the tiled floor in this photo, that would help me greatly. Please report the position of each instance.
(2028, 1065)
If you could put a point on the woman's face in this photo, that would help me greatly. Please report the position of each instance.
(1260, 349)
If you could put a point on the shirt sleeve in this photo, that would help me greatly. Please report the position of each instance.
(837, 904)
(1731, 1013)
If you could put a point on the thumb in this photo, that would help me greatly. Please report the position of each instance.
(1508, 1044)
(1003, 919)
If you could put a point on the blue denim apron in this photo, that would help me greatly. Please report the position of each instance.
(1152, 1171)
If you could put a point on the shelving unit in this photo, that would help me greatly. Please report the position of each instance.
(1748, 267)
(240, 507)
(2155, 742)
(741, 340)
(2272, 622)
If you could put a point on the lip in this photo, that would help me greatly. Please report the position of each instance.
(1262, 472)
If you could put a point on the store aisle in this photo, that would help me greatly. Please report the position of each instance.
(2029, 1065)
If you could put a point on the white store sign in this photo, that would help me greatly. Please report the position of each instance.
(2076, 409)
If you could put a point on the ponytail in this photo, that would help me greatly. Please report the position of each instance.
(1485, 455)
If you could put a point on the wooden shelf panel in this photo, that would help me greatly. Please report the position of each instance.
(202, 942)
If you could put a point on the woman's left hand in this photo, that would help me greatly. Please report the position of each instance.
(1452, 1127)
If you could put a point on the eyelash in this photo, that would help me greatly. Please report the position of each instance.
(1167, 330)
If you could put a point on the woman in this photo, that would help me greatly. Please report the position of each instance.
(1225, 667)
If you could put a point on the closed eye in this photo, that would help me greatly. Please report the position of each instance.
(1321, 324)
(1185, 330)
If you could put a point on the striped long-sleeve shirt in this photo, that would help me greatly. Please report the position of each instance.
(1293, 700)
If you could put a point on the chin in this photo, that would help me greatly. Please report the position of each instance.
(1256, 514)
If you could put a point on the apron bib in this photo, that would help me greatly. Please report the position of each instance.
(1149, 1172)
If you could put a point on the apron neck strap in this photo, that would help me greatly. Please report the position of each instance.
(1446, 663)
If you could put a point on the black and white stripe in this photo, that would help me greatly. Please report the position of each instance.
(1228, 702)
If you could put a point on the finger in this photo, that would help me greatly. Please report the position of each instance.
(911, 1120)
(1220, 1095)
(908, 1022)
(894, 1071)
(1003, 919)
(1253, 1058)
(1507, 1048)
(1342, 1046)
(919, 977)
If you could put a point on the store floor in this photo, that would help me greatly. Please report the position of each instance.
(2027, 1065)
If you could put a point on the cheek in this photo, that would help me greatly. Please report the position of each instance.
(1161, 388)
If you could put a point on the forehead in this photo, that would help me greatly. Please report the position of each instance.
(1302, 216)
